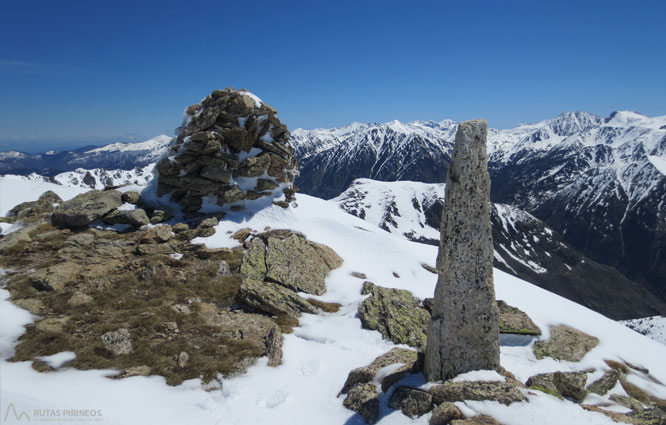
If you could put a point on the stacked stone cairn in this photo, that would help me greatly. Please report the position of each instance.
(231, 149)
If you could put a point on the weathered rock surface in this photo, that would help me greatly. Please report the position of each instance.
(228, 141)
(408, 359)
(395, 313)
(45, 203)
(565, 343)
(515, 321)
(55, 277)
(278, 264)
(503, 392)
(565, 384)
(411, 401)
(136, 217)
(118, 342)
(604, 384)
(464, 332)
(86, 208)
(477, 420)
(364, 399)
(444, 413)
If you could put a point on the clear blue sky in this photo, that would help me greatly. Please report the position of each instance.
(77, 72)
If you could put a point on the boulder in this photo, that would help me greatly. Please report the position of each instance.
(86, 208)
(444, 413)
(408, 360)
(136, 217)
(502, 392)
(604, 384)
(364, 399)
(463, 334)
(395, 313)
(55, 277)
(411, 401)
(272, 298)
(118, 342)
(45, 203)
(565, 343)
(131, 197)
(515, 321)
(560, 384)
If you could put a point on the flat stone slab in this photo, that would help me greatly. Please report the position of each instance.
(565, 343)
(515, 321)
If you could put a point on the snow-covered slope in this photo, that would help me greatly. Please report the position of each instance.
(320, 352)
(524, 245)
(652, 327)
(599, 182)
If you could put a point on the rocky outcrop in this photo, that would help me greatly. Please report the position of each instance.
(444, 413)
(408, 361)
(514, 321)
(86, 208)
(464, 330)
(46, 202)
(604, 384)
(502, 392)
(280, 263)
(565, 343)
(412, 402)
(395, 313)
(364, 399)
(560, 384)
(231, 149)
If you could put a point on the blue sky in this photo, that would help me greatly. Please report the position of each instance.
(93, 72)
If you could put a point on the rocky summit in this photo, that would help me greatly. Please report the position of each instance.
(231, 149)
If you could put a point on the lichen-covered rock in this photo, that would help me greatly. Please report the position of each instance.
(564, 384)
(408, 359)
(628, 402)
(55, 277)
(136, 217)
(565, 343)
(604, 384)
(131, 197)
(444, 413)
(231, 149)
(477, 420)
(44, 204)
(364, 399)
(118, 342)
(411, 402)
(515, 321)
(502, 392)
(272, 298)
(395, 313)
(86, 208)
(463, 334)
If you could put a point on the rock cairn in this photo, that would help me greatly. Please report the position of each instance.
(231, 148)
(464, 330)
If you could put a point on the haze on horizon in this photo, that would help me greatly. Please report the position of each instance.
(90, 73)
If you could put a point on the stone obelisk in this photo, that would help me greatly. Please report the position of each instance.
(464, 330)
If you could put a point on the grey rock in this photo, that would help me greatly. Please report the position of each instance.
(604, 384)
(408, 359)
(272, 298)
(131, 197)
(364, 399)
(565, 384)
(502, 392)
(515, 321)
(31, 209)
(118, 342)
(444, 413)
(411, 401)
(464, 331)
(395, 313)
(208, 223)
(86, 208)
(136, 217)
(565, 343)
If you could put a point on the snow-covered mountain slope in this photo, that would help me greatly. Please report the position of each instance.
(599, 182)
(122, 156)
(99, 178)
(322, 350)
(524, 245)
(652, 327)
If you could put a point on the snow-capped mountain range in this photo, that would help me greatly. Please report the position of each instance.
(122, 156)
(600, 183)
(524, 246)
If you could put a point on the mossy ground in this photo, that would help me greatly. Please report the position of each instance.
(138, 293)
